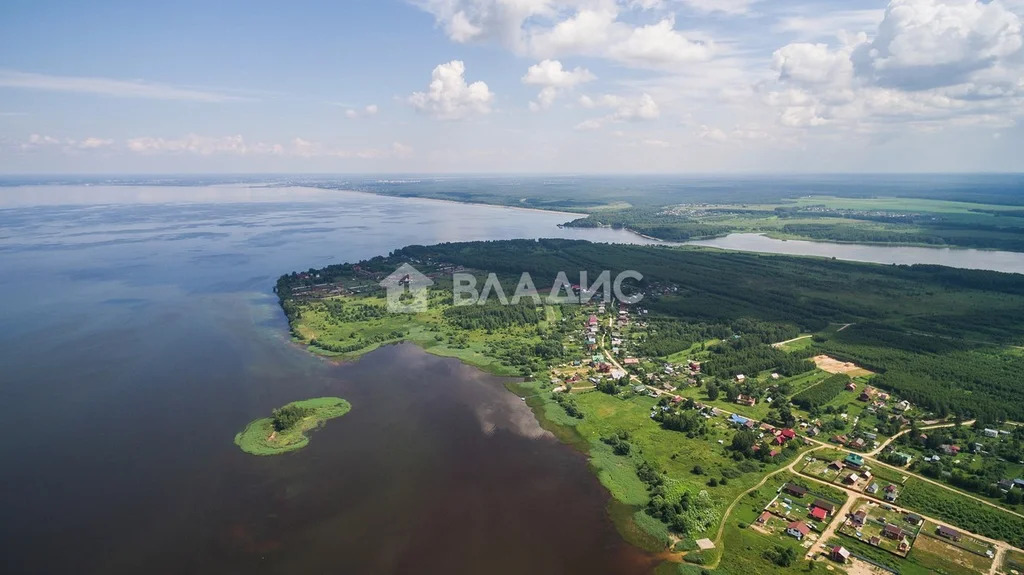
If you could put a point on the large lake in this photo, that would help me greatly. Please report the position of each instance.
(1012, 262)
(140, 333)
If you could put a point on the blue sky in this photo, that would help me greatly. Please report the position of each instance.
(511, 85)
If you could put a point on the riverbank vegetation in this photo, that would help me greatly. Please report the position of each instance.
(288, 427)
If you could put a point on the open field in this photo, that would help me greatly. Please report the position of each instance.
(947, 559)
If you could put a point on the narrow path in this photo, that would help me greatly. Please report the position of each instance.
(997, 560)
(887, 442)
(782, 343)
(837, 520)
(728, 511)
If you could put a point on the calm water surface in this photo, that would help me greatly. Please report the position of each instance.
(140, 334)
(1011, 262)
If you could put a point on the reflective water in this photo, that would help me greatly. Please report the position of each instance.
(139, 333)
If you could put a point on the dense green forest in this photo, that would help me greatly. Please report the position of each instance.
(652, 222)
(492, 316)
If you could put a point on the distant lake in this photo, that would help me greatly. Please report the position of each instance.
(1011, 262)
(140, 333)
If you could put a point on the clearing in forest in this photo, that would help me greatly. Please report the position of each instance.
(833, 365)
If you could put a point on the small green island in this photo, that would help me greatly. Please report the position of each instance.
(287, 427)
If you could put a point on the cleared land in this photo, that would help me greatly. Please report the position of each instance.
(833, 365)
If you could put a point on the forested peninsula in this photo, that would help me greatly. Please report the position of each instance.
(734, 375)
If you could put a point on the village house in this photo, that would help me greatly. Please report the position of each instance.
(913, 519)
(891, 493)
(795, 490)
(746, 400)
(840, 439)
(741, 378)
(902, 406)
(828, 508)
(840, 554)
(798, 529)
(738, 420)
(775, 376)
(949, 533)
(859, 518)
(872, 489)
(990, 432)
(818, 513)
(851, 479)
(1005, 484)
(631, 361)
(837, 465)
(851, 386)
(900, 458)
(858, 443)
(893, 531)
(854, 460)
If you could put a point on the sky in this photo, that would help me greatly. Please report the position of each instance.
(531, 86)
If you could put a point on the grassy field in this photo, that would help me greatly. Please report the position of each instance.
(944, 558)
(1013, 561)
(260, 438)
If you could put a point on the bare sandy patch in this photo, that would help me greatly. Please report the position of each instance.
(858, 567)
(833, 365)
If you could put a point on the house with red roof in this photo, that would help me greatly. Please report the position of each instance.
(798, 529)
(819, 513)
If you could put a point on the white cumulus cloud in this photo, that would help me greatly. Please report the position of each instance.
(450, 97)
(553, 79)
